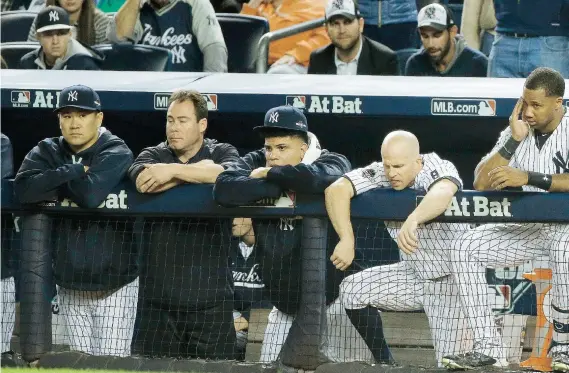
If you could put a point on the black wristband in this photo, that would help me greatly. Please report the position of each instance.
(541, 181)
(509, 148)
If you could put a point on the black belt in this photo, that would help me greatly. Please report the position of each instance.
(520, 35)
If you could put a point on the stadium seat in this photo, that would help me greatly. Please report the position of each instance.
(403, 55)
(242, 34)
(13, 52)
(128, 57)
(15, 25)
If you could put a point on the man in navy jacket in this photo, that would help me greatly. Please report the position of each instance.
(95, 260)
(291, 162)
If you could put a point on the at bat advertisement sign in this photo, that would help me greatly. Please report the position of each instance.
(484, 107)
(326, 104)
(161, 101)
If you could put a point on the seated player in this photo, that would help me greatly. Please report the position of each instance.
(95, 260)
(421, 280)
(247, 280)
(186, 291)
(291, 161)
(532, 153)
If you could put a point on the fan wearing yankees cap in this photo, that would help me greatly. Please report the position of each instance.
(350, 53)
(95, 259)
(444, 52)
(290, 162)
(58, 49)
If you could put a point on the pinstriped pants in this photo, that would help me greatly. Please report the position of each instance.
(100, 323)
(8, 312)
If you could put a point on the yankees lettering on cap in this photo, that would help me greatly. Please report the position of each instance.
(80, 97)
(52, 18)
(343, 8)
(284, 118)
(436, 16)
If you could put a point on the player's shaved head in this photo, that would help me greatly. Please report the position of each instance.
(402, 143)
(401, 157)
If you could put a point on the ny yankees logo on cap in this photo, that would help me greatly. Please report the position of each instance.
(53, 16)
(430, 13)
(338, 4)
(274, 117)
(72, 96)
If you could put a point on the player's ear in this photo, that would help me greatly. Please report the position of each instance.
(559, 103)
(100, 119)
(203, 125)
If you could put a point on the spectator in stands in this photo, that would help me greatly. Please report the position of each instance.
(188, 28)
(246, 279)
(291, 162)
(292, 54)
(89, 23)
(187, 291)
(95, 260)
(8, 284)
(391, 22)
(531, 34)
(478, 24)
(444, 52)
(350, 53)
(58, 50)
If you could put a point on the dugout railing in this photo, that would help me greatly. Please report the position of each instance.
(304, 348)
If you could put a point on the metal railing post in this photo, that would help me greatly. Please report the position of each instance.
(266, 39)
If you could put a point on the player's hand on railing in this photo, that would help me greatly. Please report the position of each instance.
(407, 237)
(506, 176)
(153, 176)
(259, 173)
(343, 254)
(519, 127)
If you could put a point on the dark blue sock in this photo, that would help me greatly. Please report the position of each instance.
(368, 323)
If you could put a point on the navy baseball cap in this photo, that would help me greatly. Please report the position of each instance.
(286, 118)
(52, 18)
(80, 97)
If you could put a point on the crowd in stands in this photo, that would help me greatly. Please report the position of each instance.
(500, 38)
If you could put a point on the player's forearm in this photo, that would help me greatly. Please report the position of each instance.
(481, 178)
(435, 202)
(33, 186)
(560, 183)
(338, 197)
(126, 18)
(197, 173)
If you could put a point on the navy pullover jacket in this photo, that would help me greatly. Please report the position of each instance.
(89, 254)
(279, 240)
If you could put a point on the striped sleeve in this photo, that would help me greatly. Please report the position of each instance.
(504, 137)
(102, 21)
(436, 169)
(367, 178)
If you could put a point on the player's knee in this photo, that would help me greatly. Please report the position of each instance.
(348, 293)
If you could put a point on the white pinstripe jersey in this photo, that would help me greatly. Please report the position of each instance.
(553, 158)
(431, 260)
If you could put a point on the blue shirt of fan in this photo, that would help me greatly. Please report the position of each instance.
(173, 30)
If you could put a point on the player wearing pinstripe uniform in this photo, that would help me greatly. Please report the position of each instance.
(532, 153)
(8, 287)
(94, 260)
(422, 279)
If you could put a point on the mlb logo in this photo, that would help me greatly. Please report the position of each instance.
(298, 102)
(211, 100)
(20, 97)
(487, 108)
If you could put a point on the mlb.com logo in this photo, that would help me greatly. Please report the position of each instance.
(161, 101)
(298, 102)
(20, 98)
(456, 106)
